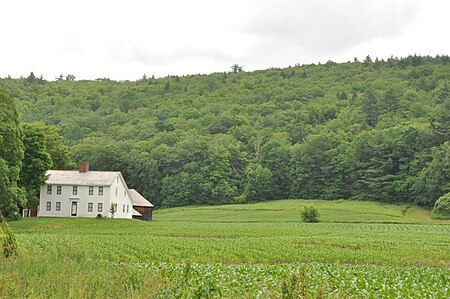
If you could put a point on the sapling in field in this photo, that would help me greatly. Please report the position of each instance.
(113, 209)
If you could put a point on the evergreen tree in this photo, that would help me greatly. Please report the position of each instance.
(370, 107)
(390, 102)
(31, 78)
(367, 61)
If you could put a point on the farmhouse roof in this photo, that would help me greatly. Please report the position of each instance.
(138, 199)
(136, 213)
(74, 177)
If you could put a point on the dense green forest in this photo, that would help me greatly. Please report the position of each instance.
(373, 130)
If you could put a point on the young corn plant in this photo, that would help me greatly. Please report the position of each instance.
(9, 241)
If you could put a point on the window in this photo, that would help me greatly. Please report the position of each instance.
(75, 190)
(90, 206)
(49, 189)
(117, 189)
(58, 206)
(124, 208)
(124, 193)
(128, 208)
(49, 206)
(100, 190)
(91, 190)
(58, 190)
(100, 207)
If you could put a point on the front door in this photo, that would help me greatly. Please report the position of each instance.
(73, 209)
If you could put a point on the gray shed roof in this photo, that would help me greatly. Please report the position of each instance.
(74, 177)
(138, 199)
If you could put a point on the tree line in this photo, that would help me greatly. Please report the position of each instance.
(376, 129)
(27, 151)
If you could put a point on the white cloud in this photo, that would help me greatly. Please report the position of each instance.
(124, 39)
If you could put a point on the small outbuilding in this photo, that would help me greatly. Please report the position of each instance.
(142, 208)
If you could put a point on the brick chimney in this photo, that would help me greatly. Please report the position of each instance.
(84, 166)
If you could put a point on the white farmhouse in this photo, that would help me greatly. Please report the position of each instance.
(84, 193)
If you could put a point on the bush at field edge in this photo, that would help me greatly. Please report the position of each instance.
(441, 208)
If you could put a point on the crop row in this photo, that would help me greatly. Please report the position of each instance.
(89, 278)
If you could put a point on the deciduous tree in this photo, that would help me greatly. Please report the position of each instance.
(11, 155)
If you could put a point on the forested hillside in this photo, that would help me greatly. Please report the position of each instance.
(376, 130)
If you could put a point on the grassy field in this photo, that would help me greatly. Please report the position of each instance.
(358, 250)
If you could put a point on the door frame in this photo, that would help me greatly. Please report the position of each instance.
(72, 204)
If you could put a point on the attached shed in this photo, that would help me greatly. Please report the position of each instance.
(143, 209)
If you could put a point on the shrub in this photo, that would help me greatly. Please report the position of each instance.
(310, 214)
(14, 217)
(441, 208)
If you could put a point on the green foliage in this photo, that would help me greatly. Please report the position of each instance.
(434, 180)
(370, 130)
(310, 214)
(314, 168)
(35, 164)
(11, 155)
(57, 148)
(237, 68)
(257, 185)
(369, 107)
(276, 157)
(8, 238)
(441, 209)
(113, 209)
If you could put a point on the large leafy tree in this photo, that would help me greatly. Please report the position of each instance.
(56, 146)
(312, 167)
(11, 155)
(276, 156)
(257, 184)
(434, 180)
(35, 164)
(440, 121)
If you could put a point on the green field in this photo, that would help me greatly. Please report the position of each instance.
(358, 250)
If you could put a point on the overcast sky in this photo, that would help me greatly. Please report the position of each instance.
(124, 39)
